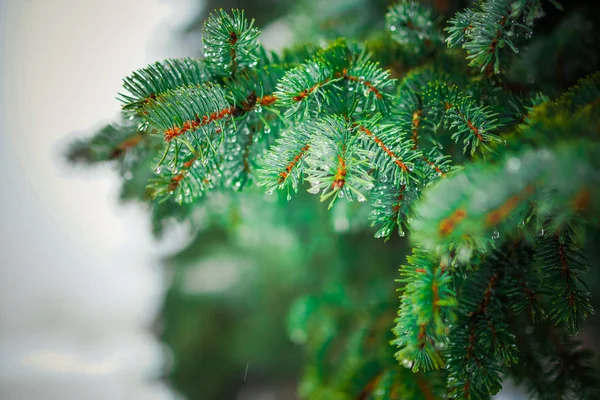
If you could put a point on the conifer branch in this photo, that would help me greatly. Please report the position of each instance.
(479, 343)
(426, 308)
(413, 25)
(553, 365)
(302, 83)
(391, 152)
(146, 84)
(187, 109)
(496, 206)
(110, 143)
(185, 172)
(391, 205)
(285, 163)
(229, 42)
(562, 264)
(338, 166)
(483, 33)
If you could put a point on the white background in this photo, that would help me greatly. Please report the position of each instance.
(79, 285)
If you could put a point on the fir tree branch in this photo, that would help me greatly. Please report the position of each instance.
(284, 164)
(426, 308)
(413, 26)
(229, 42)
(187, 109)
(483, 33)
(338, 166)
(392, 152)
(469, 220)
(562, 263)
(479, 343)
(146, 84)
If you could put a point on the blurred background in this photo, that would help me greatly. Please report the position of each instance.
(92, 305)
(79, 280)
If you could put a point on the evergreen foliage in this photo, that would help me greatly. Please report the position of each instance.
(495, 183)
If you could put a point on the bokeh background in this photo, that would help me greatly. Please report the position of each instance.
(79, 280)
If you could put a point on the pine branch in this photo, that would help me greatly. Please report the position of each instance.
(186, 180)
(258, 83)
(301, 84)
(480, 343)
(187, 110)
(391, 151)
(109, 143)
(463, 116)
(126, 144)
(562, 264)
(338, 62)
(246, 142)
(338, 166)
(524, 286)
(470, 222)
(391, 205)
(375, 84)
(473, 122)
(413, 26)
(284, 164)
(552, 365)
(229, 42)
(484, 33)
(426, 309)
(146, 84)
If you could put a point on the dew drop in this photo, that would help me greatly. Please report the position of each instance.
(157, 169)
(270, 192)
(521, 224)
(541, 232)
(361, 198)
(313, 190)
(401, 233)
(341, 194)
(495, 235)
(383, 232)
